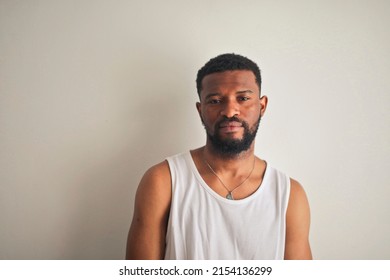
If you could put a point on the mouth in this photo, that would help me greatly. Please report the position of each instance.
(230, 126)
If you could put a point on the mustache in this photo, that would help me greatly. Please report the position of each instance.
(231, 119)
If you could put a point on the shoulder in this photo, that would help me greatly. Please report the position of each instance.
(297, 195)
(298, 205)
(296, 190)
(146, 239)
(158, 171)
(153, 197)
(297, 223)
(156, 181)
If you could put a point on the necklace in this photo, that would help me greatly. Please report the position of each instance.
(230, 192)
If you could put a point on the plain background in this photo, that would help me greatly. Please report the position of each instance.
(92, 93)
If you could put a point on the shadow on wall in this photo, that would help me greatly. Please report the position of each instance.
(103, 212)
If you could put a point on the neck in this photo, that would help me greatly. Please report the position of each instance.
(226, 163)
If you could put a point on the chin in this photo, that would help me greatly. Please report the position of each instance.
(233, 135)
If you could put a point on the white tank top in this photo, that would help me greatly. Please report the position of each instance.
(204, 225)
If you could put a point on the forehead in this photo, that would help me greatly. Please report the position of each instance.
(229, 80)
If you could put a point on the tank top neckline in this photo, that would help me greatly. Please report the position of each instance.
(213, 193)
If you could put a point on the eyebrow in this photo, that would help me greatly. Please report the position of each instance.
(211, 95)
(238, 92)
(244, 91)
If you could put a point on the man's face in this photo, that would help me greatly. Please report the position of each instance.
(230, 109)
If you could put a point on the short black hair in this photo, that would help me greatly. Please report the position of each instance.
(227, 62)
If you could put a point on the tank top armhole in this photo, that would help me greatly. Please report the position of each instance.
(172, 164)
(168, 234)
(287, 199)
(170, 171)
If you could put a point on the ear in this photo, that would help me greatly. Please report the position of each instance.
(263, 104)
(198, 107)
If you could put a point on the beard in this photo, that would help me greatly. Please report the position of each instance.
(232, 147)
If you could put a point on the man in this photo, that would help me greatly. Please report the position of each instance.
(220, 201)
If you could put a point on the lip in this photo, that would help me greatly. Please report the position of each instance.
(230, 127)
(230, 124)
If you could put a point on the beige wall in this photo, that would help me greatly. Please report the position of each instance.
(92, 93)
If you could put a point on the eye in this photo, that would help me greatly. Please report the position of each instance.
(243, 98)
(214, 101)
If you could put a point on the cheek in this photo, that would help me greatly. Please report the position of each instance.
(251, 116)
(208, 115)
(255, 111)
(208, 119)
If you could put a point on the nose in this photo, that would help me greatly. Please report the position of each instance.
(230, 109)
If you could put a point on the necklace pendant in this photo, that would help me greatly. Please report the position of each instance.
(229, 196)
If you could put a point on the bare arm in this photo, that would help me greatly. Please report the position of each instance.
(146, 239)
(298, 225)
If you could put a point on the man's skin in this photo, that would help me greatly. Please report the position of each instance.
(224, 94)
